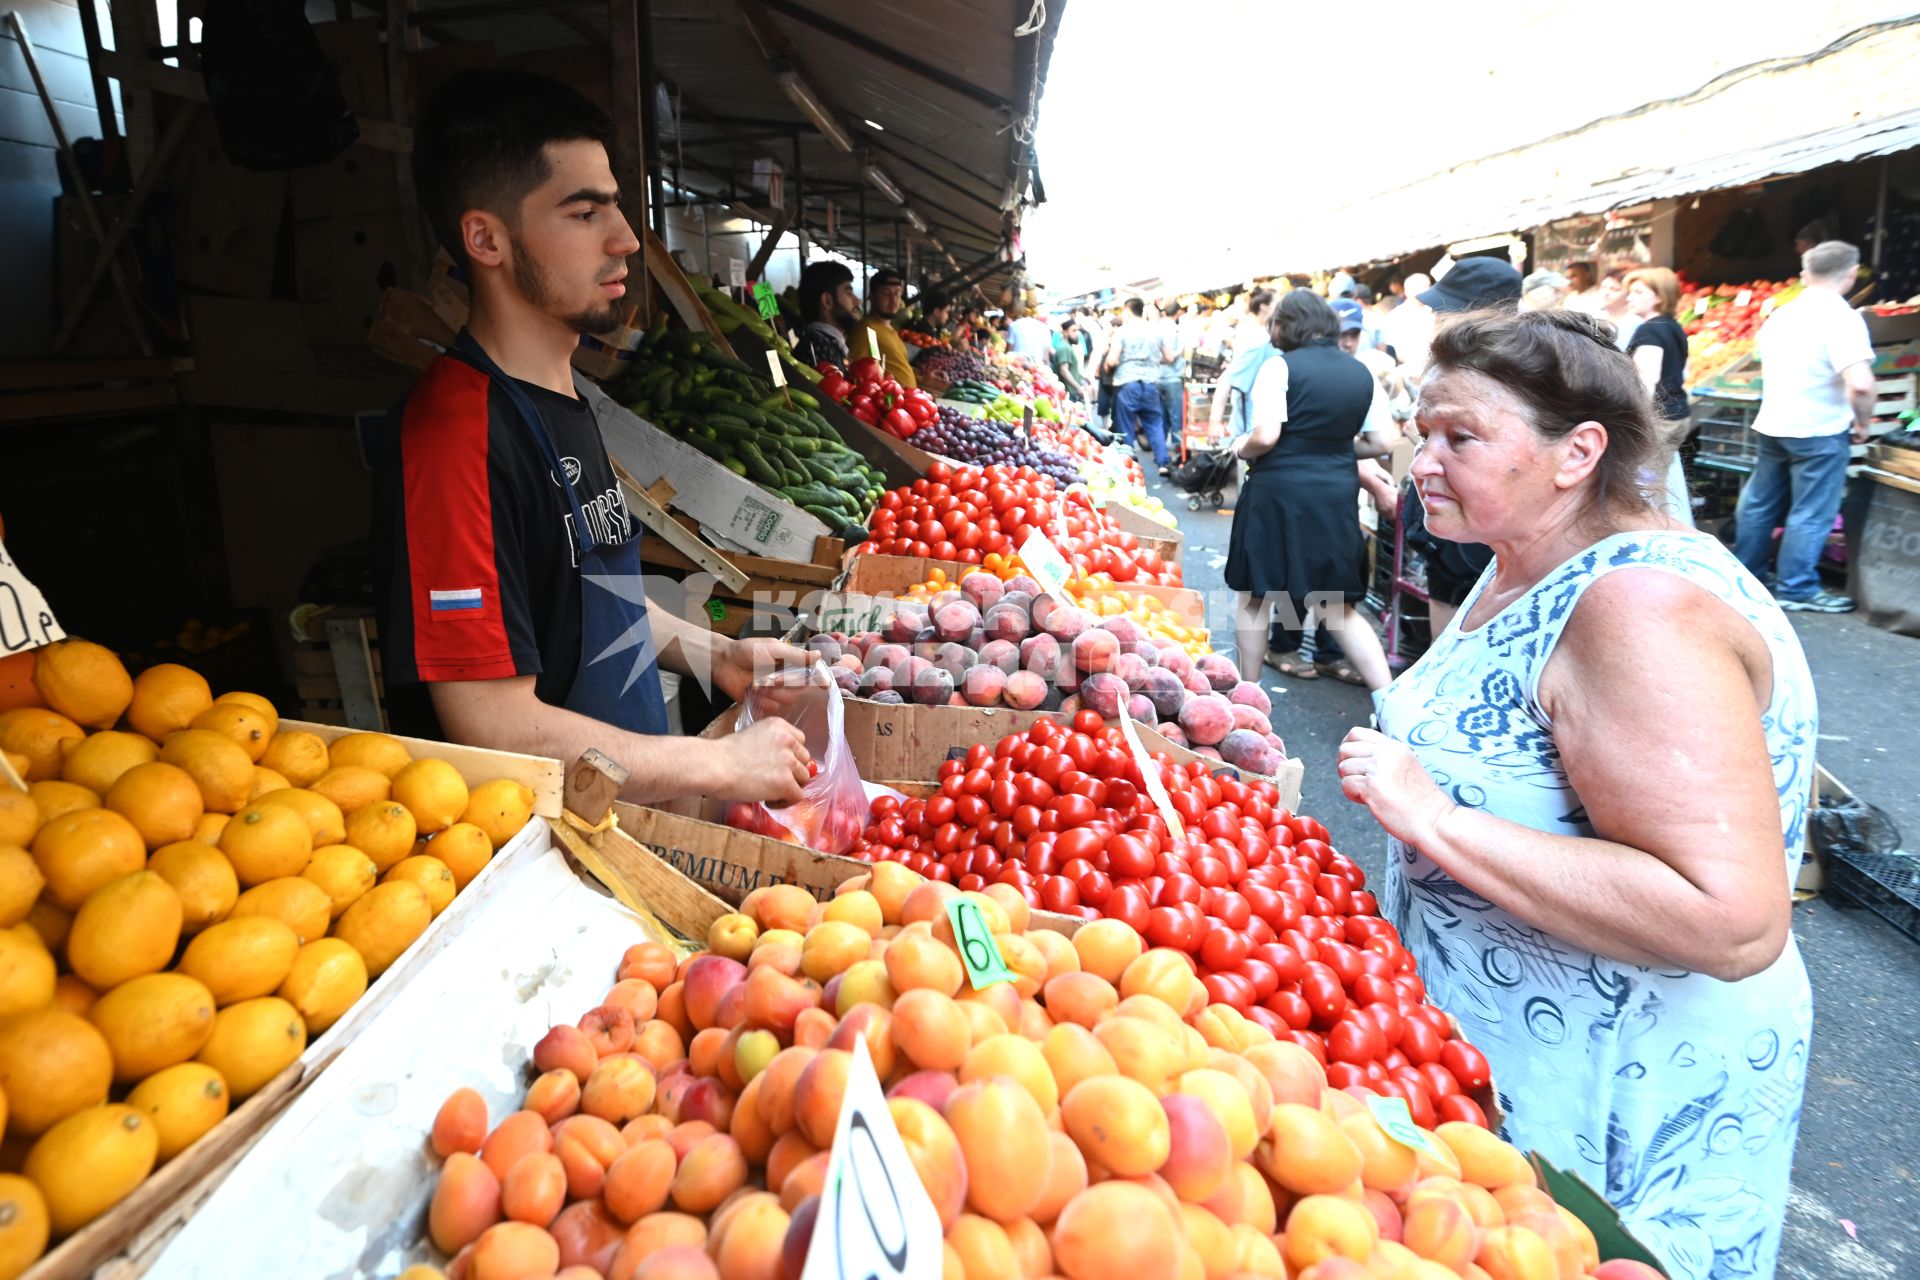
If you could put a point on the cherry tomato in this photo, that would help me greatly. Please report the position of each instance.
(1127, 904)
(1169, 927)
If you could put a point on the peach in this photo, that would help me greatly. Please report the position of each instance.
(777, 1085)
(930, 1028)
(712, 1170)
(1116, 1228)
(1073, 1054)
(1102, 693)
(1220, 672)
(514, 1251)
(983, 1248)
(1019, 1060)
(466, 1201)
(1002, 1134)
(873, 1024)
(1119, 1123)
(1206, 718)
(637, 1182)
(983, 685)
(555, 1095)
(1026, 690)
(619, 1089)
(460, 1125)
(1515, 1253)
(523, 1133)
(1307, 1153)
(566, 1048)
(709, 978)
(1094, 651)
(1321, 1227)
(1199, 1156)
(535, 1190)
(587, 1235)
(657, 1233)
(935, 1151)
(1247, 748)
(864, 982)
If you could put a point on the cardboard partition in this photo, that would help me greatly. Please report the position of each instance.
(733, 507)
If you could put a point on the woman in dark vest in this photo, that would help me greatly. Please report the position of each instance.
(1296, 529)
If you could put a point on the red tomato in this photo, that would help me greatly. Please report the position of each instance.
(1459, 1107)
(1324, 995)
(1344, 1075)
(1438, 1080)
(1127, 904)
(1354, 1039)
(1420, 1042)
(1265, 981)
(1169, 927)
(1095, 888)
(1467, 1065)
(1291, 1008)
(1222, 948)
(1127, 855)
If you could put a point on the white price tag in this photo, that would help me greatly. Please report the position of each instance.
(775, 369)
(25, 620)
(1150, 774)
(873, 345)
(737, 273)
(1743, 297)
(875, 1220)
(1048, 567)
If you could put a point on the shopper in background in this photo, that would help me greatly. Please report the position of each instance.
(1295, 532)
(886, 294)
(831, 311)
(1250, 346)
(1659, 351)
(1409, 327)
(1373, 319)
(935, 312)
(1064, 359)
(1252, 331)
(1817, 399)
(1583, 291)
(1173, 389)
(1453, 567)
(1596, 793)
(1612, 293)
(1140, 348)
(1030, 337)
(1543, 291)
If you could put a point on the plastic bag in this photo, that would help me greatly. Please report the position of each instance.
(835, 805)
(1848, 825)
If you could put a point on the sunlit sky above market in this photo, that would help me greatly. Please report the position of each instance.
(1211, 140)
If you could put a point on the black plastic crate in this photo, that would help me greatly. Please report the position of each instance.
(1887, 884)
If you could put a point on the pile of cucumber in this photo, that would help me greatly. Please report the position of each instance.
(973, 392)
(681, 383)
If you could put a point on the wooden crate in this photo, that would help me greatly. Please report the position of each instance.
(135, 1230)
(774, 593)
(336, 668)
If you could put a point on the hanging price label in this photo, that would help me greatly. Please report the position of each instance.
(736, 272)
(1150, 774)
(1048, 567)
(875, 1221)
(978, 951)
(1392, 1115)
(763, 299)
(25, 620)
(776, 370)
(873, 345)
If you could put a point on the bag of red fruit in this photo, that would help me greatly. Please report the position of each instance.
(835, 805)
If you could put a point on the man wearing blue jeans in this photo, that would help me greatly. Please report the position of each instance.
(1817, 400)
(1136, 353)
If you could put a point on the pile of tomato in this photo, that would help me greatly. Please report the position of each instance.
(964, 514)
(1278, 924)
(1073, 441)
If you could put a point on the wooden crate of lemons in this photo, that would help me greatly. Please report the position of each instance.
(189, 892)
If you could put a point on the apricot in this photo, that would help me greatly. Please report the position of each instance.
(1321, 1227)
(930, 1029)
(650, 962)
(710, 978)
(466, 1201)
(657, 1042)
(1003, 1136)
(1225, 1096)
(777, 1086)
(1293, 1074)
(608, 1029)
(1024, 961)
(808, 1178)
(1307, 1153)
(1018, 1059)
(750, 1246)
(832, 947)
(658, 1233)
(890, 884)
(864, 982)
(566, 1048)
(588, 1237)
(813, 1028)
(1164, 974)
(1057, 950)
(638, 1181)
(618, 1089)
(1073, 1054)
(1116, 1228)
(585, 1174)
(1244, 1197)
(935, 1151)
(1031, 1252)
(555, 1095)
(926, 902)
(535, 1189)
(781, 906)
(874, 1025)
(703, 1055)
(524, 1133)
(857, 907)
(460, 1125)
(1106, 948)
(1515, 1253)
(1119, 1123)
(514, 1251)
(1079, 997)
(682, 1136)
(1439, 1229)
(1143, 1051)
(673, 1010)
(1199, 1156)
(789, 1150)
(817, 1094)
(915, 961)
(1066, 1177)
(1386, 1165)
(1517, 1198)
(712, 1170)
(638, 998)
(749, 1127)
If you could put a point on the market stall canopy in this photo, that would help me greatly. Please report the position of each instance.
(925, 112)
(1751, 124)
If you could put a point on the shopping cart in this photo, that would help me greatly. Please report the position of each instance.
(1205, 475)
(1197, 434)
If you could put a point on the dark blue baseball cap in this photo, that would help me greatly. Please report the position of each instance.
(1473, 283)
(1352, 317)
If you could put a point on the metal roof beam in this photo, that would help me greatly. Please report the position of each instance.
(886, 53)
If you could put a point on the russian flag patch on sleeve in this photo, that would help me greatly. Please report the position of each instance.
(454, 604)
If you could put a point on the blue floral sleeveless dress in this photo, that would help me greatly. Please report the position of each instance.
(1675, 1094)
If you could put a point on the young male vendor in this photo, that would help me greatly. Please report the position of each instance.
(509, 580)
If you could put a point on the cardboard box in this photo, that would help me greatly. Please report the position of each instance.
(1165, 539)
(226, 219)
(255, 355)
(734, 510)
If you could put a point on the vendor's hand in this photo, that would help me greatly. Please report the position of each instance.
(1861, 432)
(736, 665)
(1383, 775)
(766, 761)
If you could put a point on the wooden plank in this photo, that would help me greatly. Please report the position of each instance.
(353, 667)
(762, 573)
(643, 881)
(679, 291)
(33, 375)
(655, 517)
(85, 403)
(139, 73)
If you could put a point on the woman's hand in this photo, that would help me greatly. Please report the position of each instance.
(1383, 775)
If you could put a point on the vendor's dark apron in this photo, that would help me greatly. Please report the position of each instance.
(618, 681)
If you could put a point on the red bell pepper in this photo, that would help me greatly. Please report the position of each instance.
(899, 422)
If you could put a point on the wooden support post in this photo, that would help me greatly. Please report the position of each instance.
(628, 157)
(592, 785)
(403, 36)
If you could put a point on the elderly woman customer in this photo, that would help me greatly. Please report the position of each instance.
(1596, 785)
(1296, 532)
